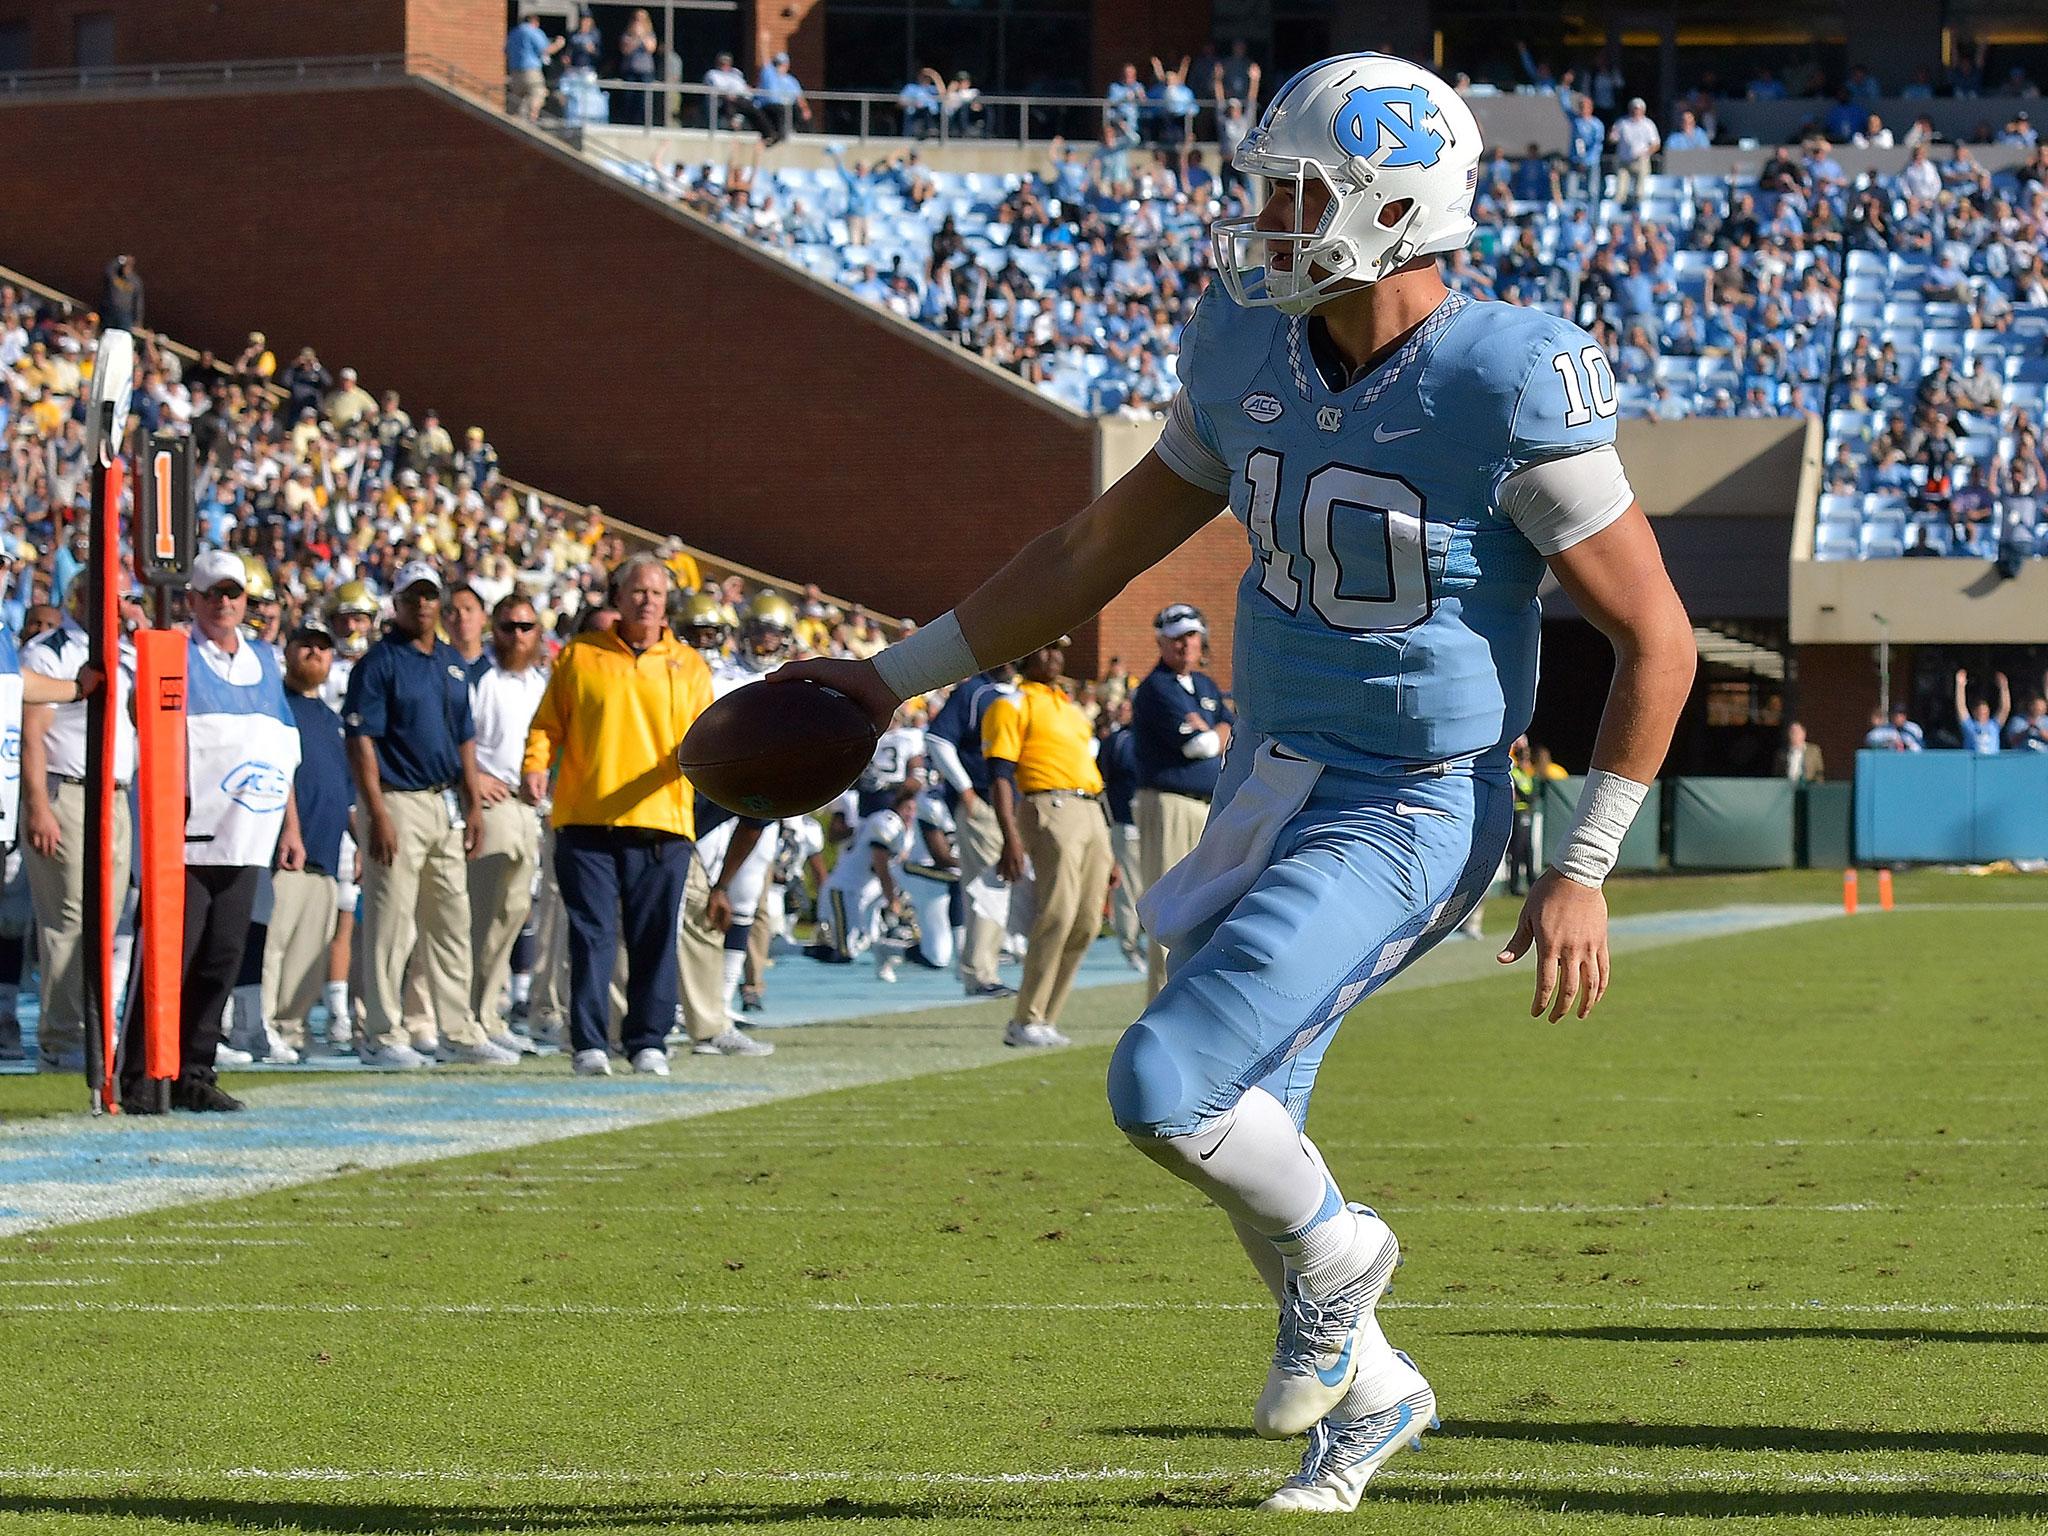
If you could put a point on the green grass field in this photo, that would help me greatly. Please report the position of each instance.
(1765, 1238)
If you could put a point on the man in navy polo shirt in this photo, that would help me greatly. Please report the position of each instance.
(412, 746)
(303, 912)
(953, 741)
(1179, 726)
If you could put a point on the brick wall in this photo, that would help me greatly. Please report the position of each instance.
(795, 27)
(616, 352)
(1204, 571)
(1132, 31)
(469, 33)
(1836, 693)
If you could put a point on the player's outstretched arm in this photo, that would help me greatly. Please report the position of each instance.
(1618, 580)
(1057, 581)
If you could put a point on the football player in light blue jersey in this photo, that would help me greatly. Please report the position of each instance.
(1407, 464)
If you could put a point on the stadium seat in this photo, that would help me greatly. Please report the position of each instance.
(1835, 507)
(1881, 545)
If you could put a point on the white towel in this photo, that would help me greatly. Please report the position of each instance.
(1235, 849)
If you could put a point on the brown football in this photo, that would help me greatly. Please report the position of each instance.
(778, 749)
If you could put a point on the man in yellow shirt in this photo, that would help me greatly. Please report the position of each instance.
(616, 709)
(1041, 752)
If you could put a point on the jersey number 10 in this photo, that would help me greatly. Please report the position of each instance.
(1382, 544)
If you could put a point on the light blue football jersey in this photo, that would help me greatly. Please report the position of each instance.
(1389, 611)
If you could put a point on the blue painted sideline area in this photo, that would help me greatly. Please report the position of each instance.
(305, 1126)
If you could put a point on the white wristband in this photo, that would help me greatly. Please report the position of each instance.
(1592, 843)
(933, 657)
(1200, 746)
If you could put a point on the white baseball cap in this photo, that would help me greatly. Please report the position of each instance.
(412, 573)
(1177, 619)
(215, 566)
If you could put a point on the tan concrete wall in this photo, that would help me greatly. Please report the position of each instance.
(1927, 602)
(1722, 468)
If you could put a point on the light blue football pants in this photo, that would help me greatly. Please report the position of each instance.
(1365, 878)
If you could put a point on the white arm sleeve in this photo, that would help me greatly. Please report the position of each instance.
(1560, 502)
(946, 758)
(1181, 449)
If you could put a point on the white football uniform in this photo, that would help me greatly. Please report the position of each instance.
(851, 901)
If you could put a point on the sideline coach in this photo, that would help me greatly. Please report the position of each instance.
(1180, 727)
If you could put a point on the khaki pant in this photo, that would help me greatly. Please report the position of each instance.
(1169, 826)
(1631, 179)
(1130, 885)
(302, 922)
(761, 937)
(548, 1005)
(979, 839)
(420, 900)
(57, 888)
(700, 960)
(1068, 839)
(500, 896)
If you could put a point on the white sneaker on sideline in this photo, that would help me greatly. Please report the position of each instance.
(732, 1043)
(651, 1062)
(886, 971)
(225, 1055)
(511, 1040)
(400, 1055)
(275, 1050)
(1033, 1036)
(479, 1053)
(591, 1063)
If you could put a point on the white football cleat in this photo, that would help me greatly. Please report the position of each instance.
(225, 1055)
(276, 1050)
(1343, 1454)
(1315, 1357)
(651, 1063)
(591, 1063)
(732, 1043)
(518, 1044)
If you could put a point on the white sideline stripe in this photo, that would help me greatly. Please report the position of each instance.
(1631, 1312)
(39, 1238)
(1170, 1208)
(1561, 1477)
(64, 1280)
(94, 1261)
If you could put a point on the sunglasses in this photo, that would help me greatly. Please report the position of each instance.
(517, 626)
(224, 593)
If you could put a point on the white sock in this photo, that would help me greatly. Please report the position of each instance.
(1253, 1161)
(340, 1023)
(522, 988)
(1264, 1256)
(735, 962)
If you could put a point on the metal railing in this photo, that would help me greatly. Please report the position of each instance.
(864, 115)
(249, 72)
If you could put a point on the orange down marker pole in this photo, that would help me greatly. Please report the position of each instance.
(160, 840)
(1884, 890)
(1849, 892)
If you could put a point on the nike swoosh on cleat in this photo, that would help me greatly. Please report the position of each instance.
(1380, 434)
(1335, 1374)
(1403, 808)
(1400, 1424)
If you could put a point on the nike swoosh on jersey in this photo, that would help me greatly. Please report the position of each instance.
(1403, 808)
(1380, 434)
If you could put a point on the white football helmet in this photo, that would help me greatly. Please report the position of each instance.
(1375, 130)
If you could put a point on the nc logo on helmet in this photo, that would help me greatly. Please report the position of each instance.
(1372, 116)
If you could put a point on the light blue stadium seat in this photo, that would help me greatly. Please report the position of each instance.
(1867, 264)
(2027, 393)
(1851, 424)
(1911, 268)
(1947, 317)
(1836, 507)
(1942, 344)
(1836, 548)
(2027, 370)
(1678, 371)
(1881, 546)
(1976, 446)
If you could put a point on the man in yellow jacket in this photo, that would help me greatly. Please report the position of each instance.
(616, 709)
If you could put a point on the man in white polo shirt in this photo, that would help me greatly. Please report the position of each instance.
(53, 803)
(502, 699)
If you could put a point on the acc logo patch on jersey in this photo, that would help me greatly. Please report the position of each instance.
(1393, 119)
(1262, 407)
(257, 787)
